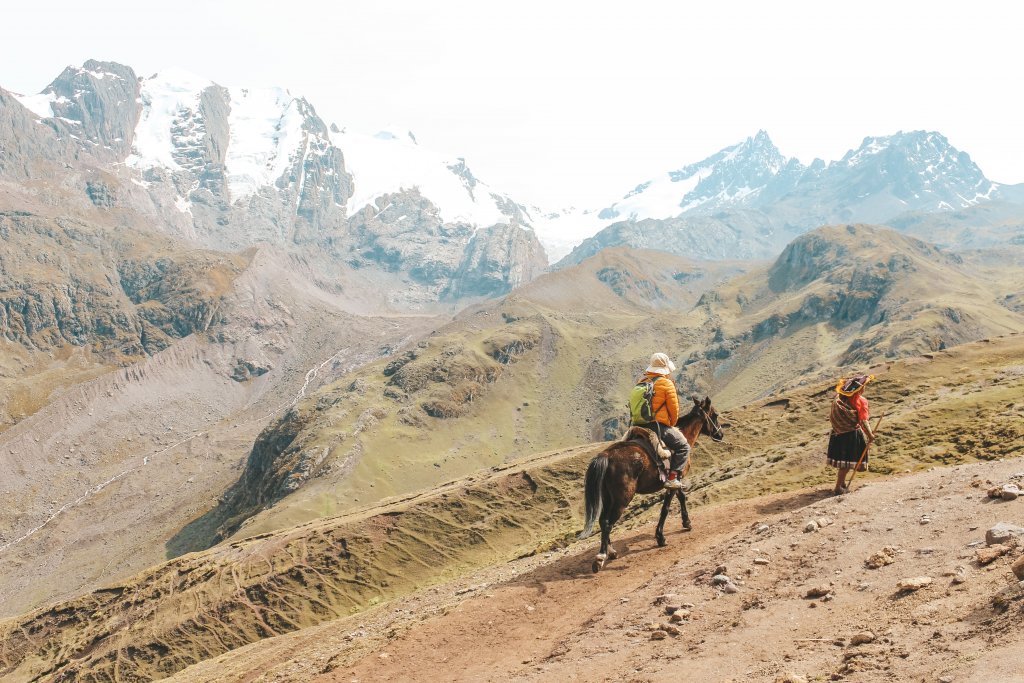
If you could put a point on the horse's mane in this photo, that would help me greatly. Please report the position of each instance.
(692, 414)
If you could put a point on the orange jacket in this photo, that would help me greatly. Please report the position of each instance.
(666, 401)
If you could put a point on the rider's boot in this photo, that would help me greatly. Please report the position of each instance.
(675, 480)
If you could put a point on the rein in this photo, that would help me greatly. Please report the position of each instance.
(714, 428)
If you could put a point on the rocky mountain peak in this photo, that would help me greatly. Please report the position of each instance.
(97, 100)
(230, 167)
(734, 176)
(833, 252)
(920, 169)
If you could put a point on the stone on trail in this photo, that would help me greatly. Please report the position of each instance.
(818, 591)
(992, 553)
(730, 587)
(658, 635)
(672, 608)
(1008, 594)
(1018, 568)
(995, 492)
(914, 583)
(862, 638)
(761, 528)
(810, 526)
(886, 555)
(1002, 533)
(761, 560)
(671, 630)
(665, 597)
(960, 574)
(790, 677)
(720, 580)
(679, 615)
(1009, 492)
(823, 522)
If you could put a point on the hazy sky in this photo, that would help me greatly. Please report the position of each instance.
(576, 102)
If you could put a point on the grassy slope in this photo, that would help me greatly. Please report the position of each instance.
(82, 298)
(839, 299)
(843, 297)
(958, 405)
(378, 434)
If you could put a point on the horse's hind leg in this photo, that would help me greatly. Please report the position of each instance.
(659, 533)
(682, 501)
(613, 517)
(609, 517)
(606, 530)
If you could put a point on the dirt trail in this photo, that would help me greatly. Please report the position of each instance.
(559, 623)
(548, 618)
(517, 627)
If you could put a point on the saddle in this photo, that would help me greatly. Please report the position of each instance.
(652, 446)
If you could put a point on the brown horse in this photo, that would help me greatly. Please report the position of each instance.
(625, 468)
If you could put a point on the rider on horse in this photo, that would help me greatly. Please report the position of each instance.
(665, 407)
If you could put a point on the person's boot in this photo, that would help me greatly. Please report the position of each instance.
(675, 480)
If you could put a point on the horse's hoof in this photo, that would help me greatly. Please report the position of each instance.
(612, 554)
(661, 541)
(687, 526)
(596, 566)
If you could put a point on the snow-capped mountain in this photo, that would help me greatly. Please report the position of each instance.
(229, 167)
(920, 170)
(391, 161)
(915, 171)
(751, 172)
(748, 200)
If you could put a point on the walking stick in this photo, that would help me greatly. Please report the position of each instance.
(864, 454)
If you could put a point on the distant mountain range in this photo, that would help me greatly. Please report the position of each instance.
(748, 201)
(229, 167)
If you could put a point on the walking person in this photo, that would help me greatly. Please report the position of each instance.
(851, 433)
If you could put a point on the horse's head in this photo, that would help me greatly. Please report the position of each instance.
(709, 417)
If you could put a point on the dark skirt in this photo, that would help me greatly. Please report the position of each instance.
(844, 450)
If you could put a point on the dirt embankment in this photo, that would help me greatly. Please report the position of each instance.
(203, 604)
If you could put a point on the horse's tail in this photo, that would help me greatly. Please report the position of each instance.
(592, 493)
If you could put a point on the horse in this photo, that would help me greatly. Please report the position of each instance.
(626, 468)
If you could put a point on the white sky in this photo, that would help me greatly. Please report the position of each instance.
(574, 103)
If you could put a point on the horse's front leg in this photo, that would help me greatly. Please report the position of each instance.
(659, 533)
(686, 515)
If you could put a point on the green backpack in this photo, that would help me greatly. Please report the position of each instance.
(641, 402)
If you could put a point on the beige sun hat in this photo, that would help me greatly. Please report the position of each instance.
(661, 365)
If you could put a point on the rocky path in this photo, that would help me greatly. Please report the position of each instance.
(895, 581)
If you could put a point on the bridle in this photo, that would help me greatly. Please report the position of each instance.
(714, 429)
